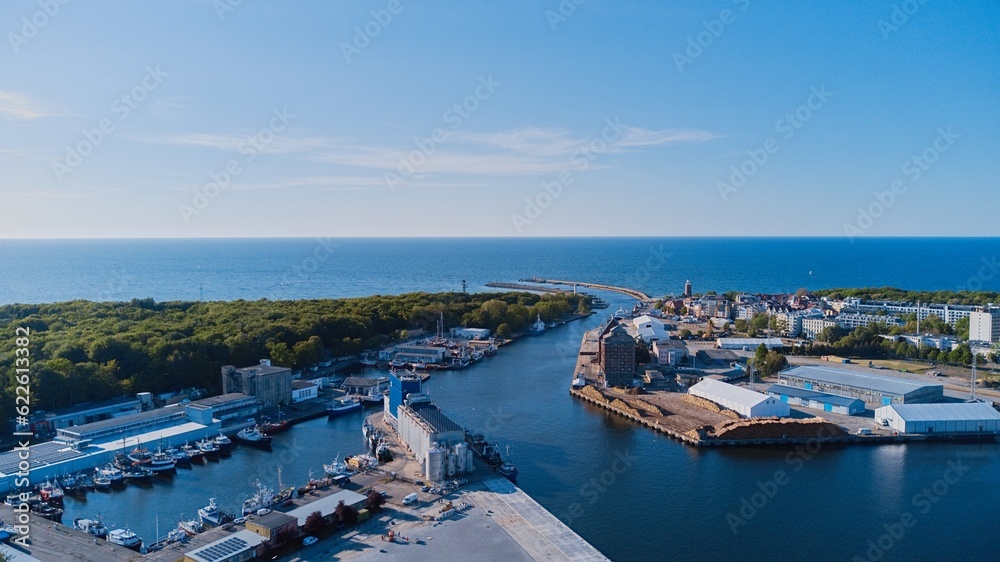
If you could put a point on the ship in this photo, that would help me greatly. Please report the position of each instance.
(490, 453)
(101, 482)
(212, 515)
(253, 437)
(538, 327)
(507, 469)
(343, 406)
(69, 484)
(140, 455)
(272, 428)
(337, 467)
(92, 526)
(111, 472)
(208, 449)
(47, 511)
(125, 537)
(263, 498)
(222, 442)
(192, 526)
(51, 492)
(137, 474)
(180, 456)
(194, 453)
(161, 463)
(84, 482)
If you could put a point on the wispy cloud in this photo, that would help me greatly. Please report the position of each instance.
(529, 150)
(22, 108)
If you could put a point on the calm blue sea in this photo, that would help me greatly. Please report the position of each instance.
(54, 270)
(634, 494)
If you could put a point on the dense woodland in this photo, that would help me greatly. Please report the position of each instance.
(901, 295)
(83, 351)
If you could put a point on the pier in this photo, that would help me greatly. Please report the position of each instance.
(634, 293)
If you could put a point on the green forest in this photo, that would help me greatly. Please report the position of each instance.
(901, 295)
(83, 351)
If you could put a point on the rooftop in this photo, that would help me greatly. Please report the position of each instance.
(222, 399)
(222, 549)
(142, 417)
(362, 381)
(326, 505)
(432, 416)
(945, 412)
(750, 341)
(119, 401)
(730, 392)
(300, 384)
(818, 396)
(263, 370)
(42, 454)
(878, 383)
(272, 520)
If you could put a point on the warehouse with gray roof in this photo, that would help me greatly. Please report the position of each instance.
(817, 400)
(875, 389)
(960, 417)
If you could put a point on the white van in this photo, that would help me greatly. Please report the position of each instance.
(410, 499)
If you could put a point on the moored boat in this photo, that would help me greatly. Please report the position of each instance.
(51, 492)
(212, 515)
(161, 463)
(47, 511)
(343, 406)
(191, 526)
(101, 482)
(137, 474)
(91, 526)
(223, 442)
(125, 537)
(253, 437)
(262, 498)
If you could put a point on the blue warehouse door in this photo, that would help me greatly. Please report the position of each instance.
(827, 407)
(784, 398)
(886, 400)
(809, 386)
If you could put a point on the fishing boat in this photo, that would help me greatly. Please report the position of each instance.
(262, 498)
(101, 482)
(180, 456)
(69, 483)
(125, 537)
(538, 327)
(222, 442)
(267, 427)
(47, 511)
(208, 449)
(191, 526)
(138, 474)
(112, 473)
(140, 455)
(176, 535)
(194, 453)
(343, 406)
(161, 463)
(91, 526)
(51, 492)
(212, 515)
(253, 437)
(337, 467)
(84, 481)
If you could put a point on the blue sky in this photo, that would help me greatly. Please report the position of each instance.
(432, 118)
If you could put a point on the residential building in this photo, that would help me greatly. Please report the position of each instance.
(985, 326)
(811, 327)
(853, 320)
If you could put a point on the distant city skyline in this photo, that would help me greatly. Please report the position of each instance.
(424, 119)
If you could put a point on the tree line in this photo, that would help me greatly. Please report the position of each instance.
(84, 351)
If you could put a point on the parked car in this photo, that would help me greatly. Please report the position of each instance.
(309, 541)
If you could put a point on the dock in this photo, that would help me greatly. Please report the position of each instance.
(634, 293)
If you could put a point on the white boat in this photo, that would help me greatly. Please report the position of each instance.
(337, 468)
(538, 327)
(161, 463)
(191, 526)
(177, 535)
(263, 498)
(125, 537)
(343, 406)
(212, 515)
(91, 526)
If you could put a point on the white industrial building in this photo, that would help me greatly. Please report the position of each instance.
(470, 333)
(961, 417)
(749, 344)
(304, 390)
(650, 329)
(744, 402)
(434, 440)
(817, 400)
